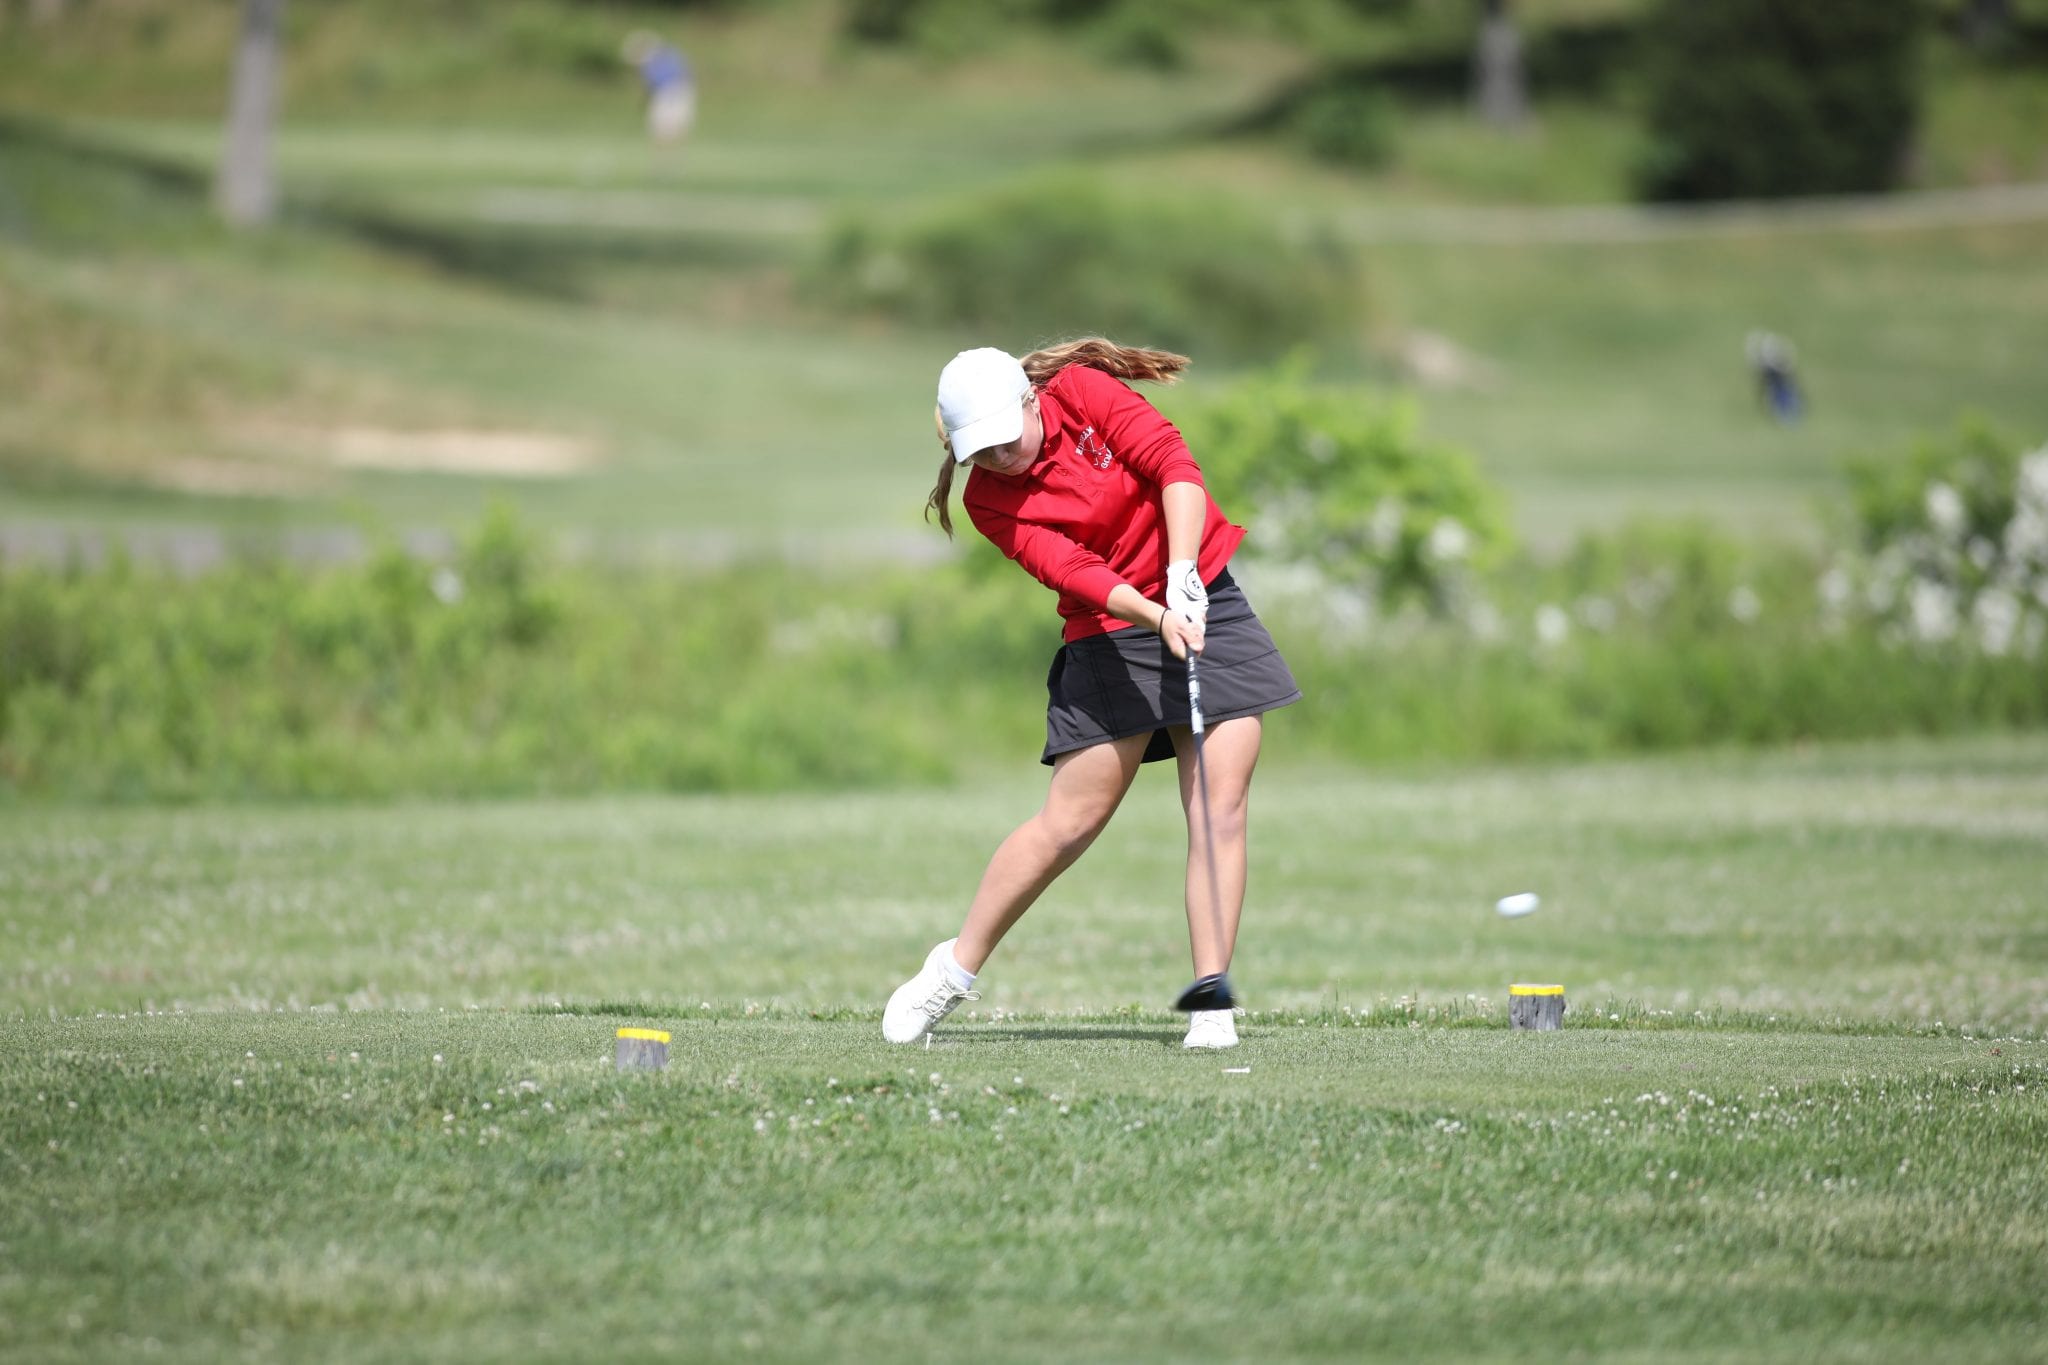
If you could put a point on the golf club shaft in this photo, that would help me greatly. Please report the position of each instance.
(1202, 799)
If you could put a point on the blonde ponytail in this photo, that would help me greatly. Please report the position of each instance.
(941, 497)
(1125, 362)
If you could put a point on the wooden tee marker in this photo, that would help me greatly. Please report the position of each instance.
(1535, 1007)
(642, 1049)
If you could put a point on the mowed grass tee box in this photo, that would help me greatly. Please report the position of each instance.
(339, 1083)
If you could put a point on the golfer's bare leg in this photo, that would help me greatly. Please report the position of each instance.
(1230, 753)
(1087, 784)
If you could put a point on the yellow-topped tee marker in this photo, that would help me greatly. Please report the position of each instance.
(642, 1049)
(1534, 1006)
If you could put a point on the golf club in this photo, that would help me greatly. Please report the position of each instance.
(1208, 992)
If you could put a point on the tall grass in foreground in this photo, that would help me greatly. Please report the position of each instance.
(509, 672)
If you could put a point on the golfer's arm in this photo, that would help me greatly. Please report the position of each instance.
(1126, 603)
(1187, 508)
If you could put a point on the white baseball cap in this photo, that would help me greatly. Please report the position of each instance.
(981, 400)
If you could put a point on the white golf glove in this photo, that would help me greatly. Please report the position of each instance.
(1184, 591)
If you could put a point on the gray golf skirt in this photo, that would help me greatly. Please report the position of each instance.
(1106, 687)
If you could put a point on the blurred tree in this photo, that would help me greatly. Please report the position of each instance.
(882, 21)
(1499, 89)
(45, 11)
(1987, 24)
(246, 192)
(1763, 98)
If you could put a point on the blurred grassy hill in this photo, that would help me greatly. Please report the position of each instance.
(488, 285)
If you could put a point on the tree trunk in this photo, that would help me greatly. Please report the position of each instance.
(247, 192)
(1498, 89)
(1987, 23)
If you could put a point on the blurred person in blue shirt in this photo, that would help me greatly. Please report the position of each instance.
(1777, 381)
(671, 88)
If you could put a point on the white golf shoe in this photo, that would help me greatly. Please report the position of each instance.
(919, 1003)
(1212, 1029)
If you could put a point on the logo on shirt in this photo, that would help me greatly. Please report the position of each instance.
(1094, 450)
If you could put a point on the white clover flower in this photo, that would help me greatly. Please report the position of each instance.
(1448, 541)
(1744, 605)
(1552, 625)
(1932, 608)
(1945, 510)
(1996, 616)
(446, 585)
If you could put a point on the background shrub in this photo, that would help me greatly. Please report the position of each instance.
(1349, 125)
(1067, 255)
(1149, 36)
(1341, 483)
(1954, 542)
(507, 671)
(1761, 98)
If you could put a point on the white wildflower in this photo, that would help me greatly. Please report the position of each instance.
(1483, 620)
(1744, 605)
(1552, 625)
(1449, 541)
(1835, 588)
(1598, 613)
(2032, 489)
(1887, 572)
(1647, 593)
(1996, 616)
(1945, 511)
(1933, 611)
(2026, 536)
(1385, 527)
(2032, 628)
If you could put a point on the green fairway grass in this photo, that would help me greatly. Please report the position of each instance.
(1886, 884)
(334, 1083)
(483, 1186)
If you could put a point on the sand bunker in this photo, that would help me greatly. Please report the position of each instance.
(499, 454)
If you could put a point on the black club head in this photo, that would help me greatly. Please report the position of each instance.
(1208, 993)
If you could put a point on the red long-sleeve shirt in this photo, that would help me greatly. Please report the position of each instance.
(1088, 514)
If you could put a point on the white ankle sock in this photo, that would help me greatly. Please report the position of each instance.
(961, 978)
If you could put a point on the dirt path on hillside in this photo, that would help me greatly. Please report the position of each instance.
(1590, 224)
(1601, 224)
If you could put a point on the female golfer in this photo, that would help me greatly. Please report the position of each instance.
(1085, 485)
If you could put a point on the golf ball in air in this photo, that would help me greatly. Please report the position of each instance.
(1515, 906)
